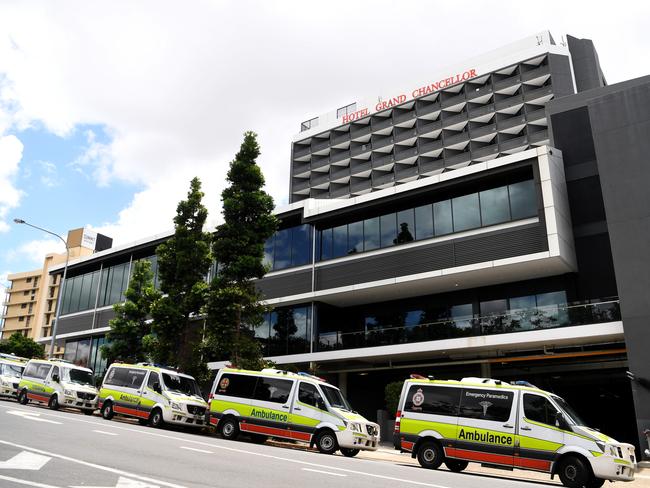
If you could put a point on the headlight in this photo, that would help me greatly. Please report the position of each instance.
(355, 427)
(2, 382)
(613, 451)
(68, 393)
(175, 406)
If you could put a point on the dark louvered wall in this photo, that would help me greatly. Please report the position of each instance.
(286, 284)
(76, 323)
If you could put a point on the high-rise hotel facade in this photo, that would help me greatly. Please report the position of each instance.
(459, 227)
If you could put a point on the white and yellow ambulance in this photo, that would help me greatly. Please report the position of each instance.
(296, 406)
(152, 394)
(58, 383)
(11, 369)
(508, 426)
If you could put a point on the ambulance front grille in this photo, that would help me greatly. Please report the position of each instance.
(85, 396)
(194, 410)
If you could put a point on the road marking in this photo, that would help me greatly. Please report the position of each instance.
(323, 472)
(122, 483)
(28, 483)
(31, 416)
(25, 460)
(197, 450)
(104, 432)
(93, 465)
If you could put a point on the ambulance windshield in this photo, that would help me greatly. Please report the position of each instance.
(181, 384)
(13, 370)
(78, 376)
(335, 398)
(569, 412)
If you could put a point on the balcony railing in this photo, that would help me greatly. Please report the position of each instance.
(547, 317)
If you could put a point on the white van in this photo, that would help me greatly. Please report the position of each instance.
(58, 383)
(508, 426)
(297, 406)
(11, 369)
(152, 394)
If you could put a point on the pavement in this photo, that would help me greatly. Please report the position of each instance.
(66, 449)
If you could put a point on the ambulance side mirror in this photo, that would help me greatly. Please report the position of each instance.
(560, 421)
(321, 404)
(156, 387)
(55, 378)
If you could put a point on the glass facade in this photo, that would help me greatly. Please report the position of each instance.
(86, 352)
(472, 211)
(285, 331)
(288, 248)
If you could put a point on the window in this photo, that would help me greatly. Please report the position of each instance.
(523, 200)
(301, 245)
(308, 394)
(494, 206)
(36, 281)
(125, 377)
(181, 384)
(326, 244)
(37, 370)
(355, 237)
(388, 226)
(486, 404)
(26, 292)
(521, 311)
(539, 409)
(437, 400)
(442, 218)
(282, 253)
(405, 226)
(55, 371)
(466, 212)
(371, 235)
(423, 222)
(309, 124)
(236, 385)
(339, 241)
(153, 379)
(28, 280)
(273, 390)
(23, 305)
(348, 109)
(21, 319)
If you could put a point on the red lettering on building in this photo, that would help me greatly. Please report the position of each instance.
(444, 83)
(385, 104)
(354, 116)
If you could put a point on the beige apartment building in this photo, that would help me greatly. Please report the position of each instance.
(30, 302)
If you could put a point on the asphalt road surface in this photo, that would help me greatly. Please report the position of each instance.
(66, 449)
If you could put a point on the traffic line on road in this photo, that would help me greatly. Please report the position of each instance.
(323, 472)
(31, 416)
(104, 432)
(28, 483)
(197, 450)
(25, 460)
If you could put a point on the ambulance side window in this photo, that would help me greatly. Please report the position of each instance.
(55, 371)
(153, 379)
(236, 385)
(431, 399)
(135, 377)
(486, 404)
(538, 409)
(30, 370)
(42, 371)
(273, 390)
(308, 394)
(115, 377)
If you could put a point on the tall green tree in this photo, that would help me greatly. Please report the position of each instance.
(126, 339)
(22, 346)
(183, 262)
(233, 307)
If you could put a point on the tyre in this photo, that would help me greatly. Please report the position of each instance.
(156, 418)
(430, 455)
(22, 398)
(88, 412)
(595, 482)
(143, 421)
(574, 472)
(455, 465)
(54, 402)
(258, 439)
(349, 452)
(326, 442)
(230, 429)
(107, 411)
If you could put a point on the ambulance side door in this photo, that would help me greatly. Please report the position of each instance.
(486, 425)
(53, 381)
(539, 436)
(271, 407)
(151, 393)
(307, 411)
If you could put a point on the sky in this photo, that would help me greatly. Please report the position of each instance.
(109, 109)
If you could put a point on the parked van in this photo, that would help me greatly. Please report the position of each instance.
(509, 426)
(58, 383)
(273, 403)
(152, 394)
(11, 369)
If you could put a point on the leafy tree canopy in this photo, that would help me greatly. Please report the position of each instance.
(22, 346)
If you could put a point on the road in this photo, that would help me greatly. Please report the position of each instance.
(65, 449)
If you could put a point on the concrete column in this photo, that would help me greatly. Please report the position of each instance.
(486, 370)
(343, 383)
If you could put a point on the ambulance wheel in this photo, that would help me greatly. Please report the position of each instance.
(88, 412)
(229, 428)
(574, 472)
(156, 419)
(22, 398)
(595, 482)
(54, 402)
(107, 411)
(349, 452)
(430, 455)
(143, 421)
(455, 465)
(326, 442)
(258, 439)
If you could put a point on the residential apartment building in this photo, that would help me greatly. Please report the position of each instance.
(488, 222)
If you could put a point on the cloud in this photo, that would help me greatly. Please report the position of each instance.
(11, 152)
(175, 88)
(33, 252)
(49, 175)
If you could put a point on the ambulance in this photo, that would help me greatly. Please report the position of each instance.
(153, 394)
(57, 383)
(11, 369)
(296, 406)
(506, 426)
